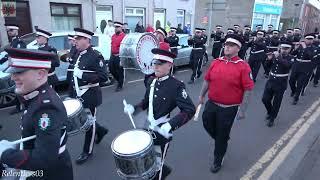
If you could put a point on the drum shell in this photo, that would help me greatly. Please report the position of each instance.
(140, 165)
(129, 49)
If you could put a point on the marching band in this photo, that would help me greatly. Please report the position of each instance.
(237, 56)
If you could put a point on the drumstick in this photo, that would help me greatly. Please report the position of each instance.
(88, 71)
(196, 115)
(131, 119)
(24, 139)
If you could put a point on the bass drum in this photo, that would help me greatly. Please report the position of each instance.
(135, 51)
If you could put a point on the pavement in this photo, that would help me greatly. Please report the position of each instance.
(255, 151)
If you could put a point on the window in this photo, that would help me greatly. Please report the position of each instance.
(257, 20)
(103, 14)
(159, 18)
(183, 41)
(65, 17)
(180, 17)
(133, 16)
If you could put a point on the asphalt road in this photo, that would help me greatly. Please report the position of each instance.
(191, 149)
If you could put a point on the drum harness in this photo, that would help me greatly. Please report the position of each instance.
(80, 90)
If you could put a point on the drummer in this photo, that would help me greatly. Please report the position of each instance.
(44, 117)
(89, 70)
(164, 93)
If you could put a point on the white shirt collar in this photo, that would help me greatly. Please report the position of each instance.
(163, 78)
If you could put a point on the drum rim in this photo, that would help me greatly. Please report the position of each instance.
(133, 154)
(79, 109)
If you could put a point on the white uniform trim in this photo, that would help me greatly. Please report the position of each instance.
(83, 34)
(162, 57)
(12, 27)
(286, 45)
(16, 62)
(309, 37)
(160, 31)
(232, 40)
(42, 34)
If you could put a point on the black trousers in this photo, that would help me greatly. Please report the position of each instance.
(95, 129)
(317, 74)
(116, 70)
(255, 61)
(216, 50)
(163, 143)
(297, 82)
(196, 58)
(218, 121)
(272, 96)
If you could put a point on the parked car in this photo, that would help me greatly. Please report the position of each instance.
(59, 40)
(184, 51)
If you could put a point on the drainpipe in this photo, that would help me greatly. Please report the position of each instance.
(123, 11)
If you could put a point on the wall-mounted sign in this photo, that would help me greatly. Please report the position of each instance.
(267, 9)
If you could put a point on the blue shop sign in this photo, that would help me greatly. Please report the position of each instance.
(267, 9)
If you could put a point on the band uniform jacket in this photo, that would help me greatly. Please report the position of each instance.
(280, 65)
(15, 43)
(309, 54)
(273, 43)
(217, 44)
(173, 42)
(91, 60)
(169, 93)
(52, 78)
(45, 116)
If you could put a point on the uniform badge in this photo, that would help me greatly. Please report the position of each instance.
(44, 122)
(184, 94)
(101, 63)
(250, 75)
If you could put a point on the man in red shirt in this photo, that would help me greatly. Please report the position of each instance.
(114, 63)
(229, 82)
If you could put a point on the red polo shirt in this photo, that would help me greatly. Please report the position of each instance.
(228, 79)
(116, 42)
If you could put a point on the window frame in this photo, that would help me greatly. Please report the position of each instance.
(65, 10)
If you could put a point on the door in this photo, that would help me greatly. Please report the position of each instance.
(22, 18)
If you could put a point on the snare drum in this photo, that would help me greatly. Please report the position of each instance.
(77, 117)
(134, 155)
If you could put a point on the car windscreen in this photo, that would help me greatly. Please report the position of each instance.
(95, 41)
(59, 42)
(28, 38)
(183, 41)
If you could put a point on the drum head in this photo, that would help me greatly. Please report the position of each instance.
(73, 106)
(144, 55)
(131, 142)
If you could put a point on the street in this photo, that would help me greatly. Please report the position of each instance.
(191, 148)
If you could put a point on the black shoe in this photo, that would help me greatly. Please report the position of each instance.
(315, 85)
(191, 82)
(270, 123)
(292, 94)
(216, 165)
(15, 111)
(82, 158)
(100, 135)
(118, 89)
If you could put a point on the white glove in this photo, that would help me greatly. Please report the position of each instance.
(128, 109)
(77, 72)
(4, 145)
(164, 130)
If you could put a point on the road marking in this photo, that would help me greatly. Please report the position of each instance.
(268, 172)
(138, 80)
(183, 71)
(268, 155)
